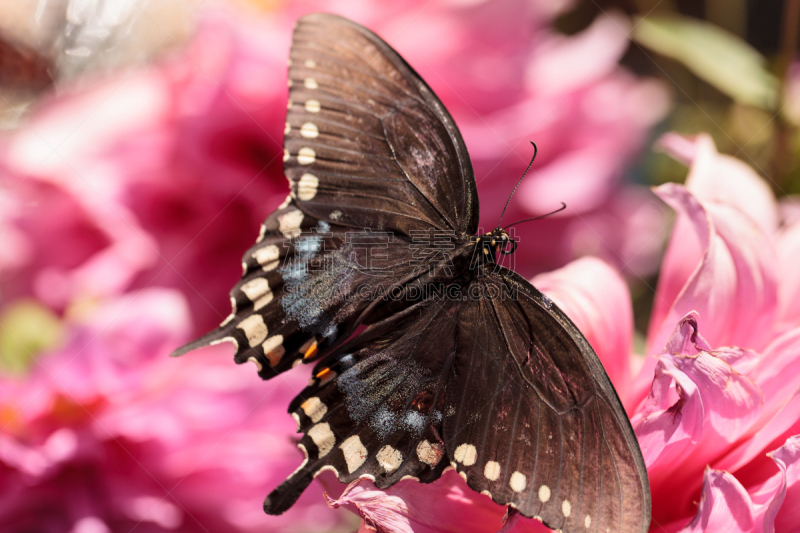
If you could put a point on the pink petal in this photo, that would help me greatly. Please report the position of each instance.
(733, 286)
(724, 506)
(788, 246)
(596, 298)
(591, 54)
(716, 177)
(775, 374)
(773, 510)
(698, 406)
(410, 506)
(446, 505)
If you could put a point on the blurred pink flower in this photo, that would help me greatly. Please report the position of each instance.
(108, 432)
(718, 421)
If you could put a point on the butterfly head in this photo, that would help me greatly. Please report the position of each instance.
(498, 241)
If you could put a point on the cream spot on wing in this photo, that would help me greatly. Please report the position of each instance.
(335, 215)
(289, 104)
(492, 470)
(254, 329)
(544, 493)
(266, 256)
(256, 288)
(289, 223)
(286, 202)
(261, 232)
(429, 453)
(290, 82)
(286, 129)
(310, 63)
(566, 508)
(225, 339)
(466, 454)
(313, 106)
(307, 187)
(255, 361)
(306, 156)
(518, 482)
(588, 522)
(264, 300)
(314, 409)
(296, 419)
(273, 349)
(389, 459)
(323, 437)
(354, 453)
(285, 155)
(297, 362)
(309, 130)
(310, 83)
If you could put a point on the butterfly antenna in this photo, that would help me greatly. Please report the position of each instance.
(563, 206)
(535, 151)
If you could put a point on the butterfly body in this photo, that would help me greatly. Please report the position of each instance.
(428, 354)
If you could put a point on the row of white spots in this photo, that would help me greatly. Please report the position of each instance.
(273, 349)
(289, 223)
(492, 470)
(518, 482)
(389, 459)
(310, 83)
(307, 187)
(258, 291)
(309, 130)
(354, 453)
(306, 156)
(267, 257)
(254, 329)
(323, 438)
(314, 409)
(428, 453)
(466, 454)
(313, 106)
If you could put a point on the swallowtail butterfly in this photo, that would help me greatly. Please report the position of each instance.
(424, 360)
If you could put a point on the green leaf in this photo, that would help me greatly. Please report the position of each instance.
(714, 55)
(27, 328)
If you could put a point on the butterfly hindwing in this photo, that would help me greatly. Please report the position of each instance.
(367, 143)
(531, 418)
(376, 412)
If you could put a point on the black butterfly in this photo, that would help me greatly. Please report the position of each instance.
(426, 361)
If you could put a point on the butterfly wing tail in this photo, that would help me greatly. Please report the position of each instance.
(209, 339)
(286, 494)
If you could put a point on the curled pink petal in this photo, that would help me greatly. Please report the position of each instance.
(697, 407)
(773, 511)
(724, 506)
(716, 177)
(733, 286)
(596, 298)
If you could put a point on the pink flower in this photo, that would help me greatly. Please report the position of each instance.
(109, 432)
(718, 417)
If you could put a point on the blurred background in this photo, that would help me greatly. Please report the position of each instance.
(141, 148)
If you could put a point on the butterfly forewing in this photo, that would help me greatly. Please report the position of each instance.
(367, 143)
